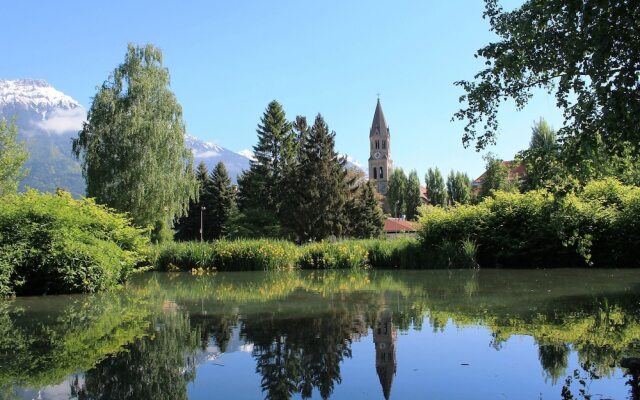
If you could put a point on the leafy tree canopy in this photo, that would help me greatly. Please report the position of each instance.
(12, 158)
(587, 53)
(132, 146)
(436, 191)
(412, 195)
(396, 192)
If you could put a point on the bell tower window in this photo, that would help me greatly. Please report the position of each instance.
(384, 144)
(381, 177)
(375, 173)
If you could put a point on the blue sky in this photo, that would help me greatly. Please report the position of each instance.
(229, 59)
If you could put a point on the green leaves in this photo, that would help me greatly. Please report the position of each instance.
(436, 192)
(596, 226)
(585, 53)
(54, 244)
(132, 145)
(12, 158)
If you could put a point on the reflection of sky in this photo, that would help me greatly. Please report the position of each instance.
(429, 365)
(53, 392)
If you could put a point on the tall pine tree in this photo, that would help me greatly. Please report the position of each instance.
(366, 217)
(259, 189)
(220, 202)
(320, 193)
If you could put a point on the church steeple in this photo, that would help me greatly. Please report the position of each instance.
(379, 125)
(385, 337)
(380, 163)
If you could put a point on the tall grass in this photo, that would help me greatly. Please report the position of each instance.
(270, 255)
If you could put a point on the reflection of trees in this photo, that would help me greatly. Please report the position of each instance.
(39, 349)
(554, 360)
(218, 327)
(296, 355)
(155, 367)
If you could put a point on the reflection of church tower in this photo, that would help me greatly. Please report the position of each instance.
(385, 337)
(380, 151)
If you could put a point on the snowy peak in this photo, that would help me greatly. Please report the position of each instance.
(200, 148)
(34, 94)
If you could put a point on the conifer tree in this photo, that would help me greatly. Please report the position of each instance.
(188, 227)
(318, 208)
(396, 192)
(412, 195)
(368, 219)
(259, 188)
(220, 202)
(273, 152)
(435, 187)
(132, 146)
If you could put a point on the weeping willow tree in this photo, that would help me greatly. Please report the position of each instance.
(12, 157)
(132, 146)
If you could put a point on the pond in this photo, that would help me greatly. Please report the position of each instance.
(456, 334)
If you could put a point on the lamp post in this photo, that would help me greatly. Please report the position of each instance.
(202, 208)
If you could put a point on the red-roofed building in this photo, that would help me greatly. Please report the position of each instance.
(516, 172)
(399, 227)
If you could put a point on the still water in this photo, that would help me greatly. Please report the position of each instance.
(556, 334)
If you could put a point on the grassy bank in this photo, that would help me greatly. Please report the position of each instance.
(242, 255)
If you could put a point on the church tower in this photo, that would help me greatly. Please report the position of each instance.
(380, 163)
(385, 337)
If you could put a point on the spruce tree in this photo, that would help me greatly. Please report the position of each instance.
(259, 188)
(435, 187)
(318, 205)
(412, 195)
(132, 147)
(220, 201)
(368, 221)
(188, 226)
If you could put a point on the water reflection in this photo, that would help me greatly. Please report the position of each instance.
(152, 339)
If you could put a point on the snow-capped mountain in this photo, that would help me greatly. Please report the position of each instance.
(211, 154)
(48, 119)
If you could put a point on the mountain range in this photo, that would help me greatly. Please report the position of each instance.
(48, 120)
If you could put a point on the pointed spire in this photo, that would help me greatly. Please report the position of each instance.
(379, 125)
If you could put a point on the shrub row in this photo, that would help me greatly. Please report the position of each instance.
(51, 243)
(277, 255)
(597, 226)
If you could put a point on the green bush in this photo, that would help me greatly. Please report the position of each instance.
(596, 226)
(326, 255)
(226, 255)
(259, 254)
(403, 252)
(54, 244)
